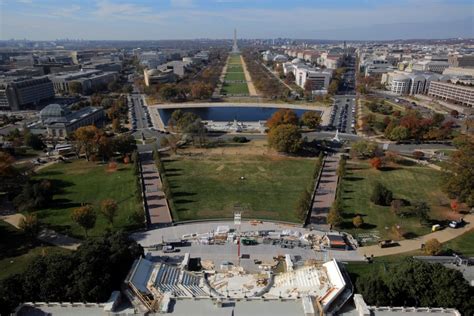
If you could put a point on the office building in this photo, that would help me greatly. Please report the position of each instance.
(430, 65)
(411, 83)
(25, 93)
(457, 60)
(90, 80)
(459, 94)
(315, 80)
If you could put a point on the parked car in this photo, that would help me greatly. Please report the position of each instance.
(456, 224)
(169, 249)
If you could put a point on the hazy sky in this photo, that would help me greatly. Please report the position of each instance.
(183, 19)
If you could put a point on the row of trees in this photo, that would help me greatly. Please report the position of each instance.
(89, 274)
(198, 83)
(334, 216)
(305, 200)
(416, 283)
(263, 80)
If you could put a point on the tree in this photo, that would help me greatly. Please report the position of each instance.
(432, 247)
(396, 206)
(364, 149)
(109, 208)
(459, 173)
(116, 125)
(421, 210)
(29, 225)
(285, 138)
(381, 195)
(124, 144)
(413, 282)
(399, 133)
(32, 140)
(304, 205)
(341, 169)
(200, 90)
(86, 139)
(113, 86)
(376, 163)
(290, 78)
(282, 116)
(358, 221)
(75, 87)
(311, 119)
(85, 217)
(334, 216)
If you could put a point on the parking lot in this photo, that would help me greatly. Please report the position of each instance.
(343, 114)
(138, 112)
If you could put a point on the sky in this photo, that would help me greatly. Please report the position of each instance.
(189, 19)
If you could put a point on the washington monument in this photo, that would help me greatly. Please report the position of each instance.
(235, 48)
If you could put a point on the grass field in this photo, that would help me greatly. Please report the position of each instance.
(463, 244)
(17, 251)
(235, 76)
(235, 88)
(235, 71)
(88, 182)
(209, 187)
(235, 59)
(409, 182)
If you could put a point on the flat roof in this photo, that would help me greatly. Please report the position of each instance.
(241, 308)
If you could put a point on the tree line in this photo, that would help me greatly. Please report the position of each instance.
(90, 274)
(416, 283)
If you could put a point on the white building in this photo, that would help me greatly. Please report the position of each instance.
(401, 82)
(318, 80)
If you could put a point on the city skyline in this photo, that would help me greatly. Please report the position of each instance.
(189, 19)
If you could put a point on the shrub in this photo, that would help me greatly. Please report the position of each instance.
(432, 247)
(358, 221)
(381, 195)
(240, 139)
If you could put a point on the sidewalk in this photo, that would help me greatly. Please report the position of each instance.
(415, 244)
(157, 205)
(252, 90)
(325, 193)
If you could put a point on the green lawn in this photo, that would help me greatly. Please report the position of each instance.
(234, 76)
(210, 187)
(235, 88)
(235, 68)
(88, 182)
(234, 59)
(17, 251)
(409, 182)
(463, 244)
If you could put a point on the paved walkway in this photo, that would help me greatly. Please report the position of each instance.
(325, 193)
(157, 205)
(415, 244)
(250, 85)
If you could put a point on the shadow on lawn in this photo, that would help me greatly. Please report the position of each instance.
(353, 179)
(49, 174)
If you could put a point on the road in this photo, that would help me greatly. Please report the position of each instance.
(415, 244)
